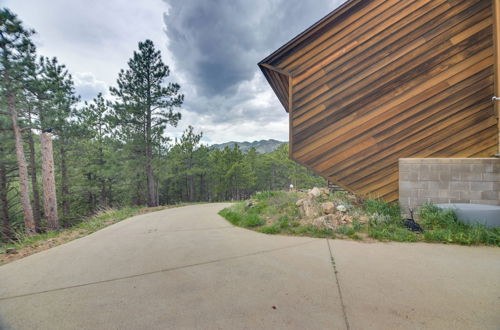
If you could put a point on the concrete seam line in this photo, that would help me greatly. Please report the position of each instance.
(335, 272)
(156, 271)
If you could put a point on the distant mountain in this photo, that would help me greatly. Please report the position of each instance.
(262, 146)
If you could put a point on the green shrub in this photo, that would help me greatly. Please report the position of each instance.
(310, 230)
(237, 217)
(376, 206)
(443, 225)
(270, 229)
(232, 216)
(283, 222)
(433, 217)
(345, 230)
(264, 195)
(356, 225)
(251, 220)
(384, 220)
(392, 232)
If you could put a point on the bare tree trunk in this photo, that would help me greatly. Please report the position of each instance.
(64, 183)
(49, 182)
(29, 222)
(191, 189)
(34, 182)
(6, 229)
(157, 192)
(202, 189)
(150, 178)
(149, 159)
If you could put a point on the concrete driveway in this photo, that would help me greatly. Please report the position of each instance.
(187, 268)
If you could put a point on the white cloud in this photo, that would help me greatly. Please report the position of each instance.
(212, 48)
(92, 35)
(88, 86)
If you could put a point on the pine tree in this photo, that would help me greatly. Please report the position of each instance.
(146, 105)
(7, 167)
(15, 44)
(94, 118)
(55, 117)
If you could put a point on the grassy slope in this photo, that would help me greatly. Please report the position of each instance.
(276, 213)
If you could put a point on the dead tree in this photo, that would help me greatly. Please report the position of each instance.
(49, 182)
(29, 222)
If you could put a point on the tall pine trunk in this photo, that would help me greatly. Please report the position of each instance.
(6, 229)
(49, 182)
(190, 178)
(149, 160)
(157, 192)
(29, 221)
(150, 177)
(34, 181)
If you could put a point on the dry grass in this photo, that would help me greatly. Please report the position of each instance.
(25, 246)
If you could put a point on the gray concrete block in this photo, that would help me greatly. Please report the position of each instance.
(491, 195)
(481, 186)
(445, 180)
(470, 195)
(493, 177)
(458, 185)
(428, 175)
(471, 176)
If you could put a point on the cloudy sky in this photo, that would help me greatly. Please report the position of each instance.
(211, 46)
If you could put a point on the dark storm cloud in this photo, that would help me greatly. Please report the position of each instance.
(216, 44)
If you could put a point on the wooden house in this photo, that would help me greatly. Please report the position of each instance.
(375, 81)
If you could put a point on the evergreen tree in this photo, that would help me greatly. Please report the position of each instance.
(102, 171)
(55, 112)
(146, 105)
(7, 168)
(15, 44)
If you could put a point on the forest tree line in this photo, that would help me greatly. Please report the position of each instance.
(108, 153)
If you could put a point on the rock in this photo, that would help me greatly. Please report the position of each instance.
(324, 191)
(363, 219)
(319, 222)
(300, 202)
(11, 251)
(314, 192)
(346, 219)
(330, 221)
(249, 205)
(341, 208)
(308, 209)
(328, 207)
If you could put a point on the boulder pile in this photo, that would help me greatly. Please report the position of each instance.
(317, 210)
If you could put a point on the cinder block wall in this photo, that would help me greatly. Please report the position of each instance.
(448, 180)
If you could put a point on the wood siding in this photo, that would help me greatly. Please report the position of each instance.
(376, 81)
